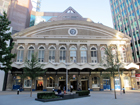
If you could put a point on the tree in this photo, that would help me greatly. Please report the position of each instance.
(112, 62)
(33, 69)
(5, 49)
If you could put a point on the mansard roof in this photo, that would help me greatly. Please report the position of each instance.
(59, 29)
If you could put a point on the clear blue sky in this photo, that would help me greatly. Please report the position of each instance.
(96, 10)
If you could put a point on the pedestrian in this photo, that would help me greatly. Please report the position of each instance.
(123, 90)
(17, 91)
(53, 89)
(89, 90)
(71, 88)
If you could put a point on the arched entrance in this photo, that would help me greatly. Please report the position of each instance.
(39, 83)
(62, 82)
(73, 82)
(84, 83)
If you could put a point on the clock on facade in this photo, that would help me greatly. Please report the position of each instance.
(72, 31)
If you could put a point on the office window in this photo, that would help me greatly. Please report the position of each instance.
(73, 54)
(30, 52)
(41, 54)
(83, 51)
(93, 55)
(52, 54)
(62, 54)
(20, 53)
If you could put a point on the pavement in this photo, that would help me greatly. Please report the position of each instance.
(96, 98)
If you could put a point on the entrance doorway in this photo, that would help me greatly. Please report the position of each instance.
(39, 84)
(106, 84)
(62, 84)
(74, 84)
(84, 85)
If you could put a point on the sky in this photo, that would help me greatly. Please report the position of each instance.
(96, 10)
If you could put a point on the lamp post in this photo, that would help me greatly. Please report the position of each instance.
(67, 76)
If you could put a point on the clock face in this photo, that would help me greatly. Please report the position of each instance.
(72, 31)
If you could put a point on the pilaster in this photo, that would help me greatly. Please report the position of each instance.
(88, 54)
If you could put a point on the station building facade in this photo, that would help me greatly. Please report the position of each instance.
(72, 45)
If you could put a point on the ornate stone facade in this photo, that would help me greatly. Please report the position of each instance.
(84, 69)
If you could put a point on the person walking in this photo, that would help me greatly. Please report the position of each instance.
(89, 90)
(123, 90)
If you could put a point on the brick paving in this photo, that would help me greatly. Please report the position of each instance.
(96, 98)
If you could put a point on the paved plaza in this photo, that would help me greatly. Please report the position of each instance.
(96, 98)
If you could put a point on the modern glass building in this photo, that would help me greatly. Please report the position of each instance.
(126, 18)
(36, 5)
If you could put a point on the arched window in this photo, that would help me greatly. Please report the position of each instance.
(83, 55)
(93, 55)
(30, 52)
(52, 54)
(27, 82)
(123, 54)
(103, 58)
(62, 54)
(50, 82)
(73, 54)
(41, 54)
(20, 54)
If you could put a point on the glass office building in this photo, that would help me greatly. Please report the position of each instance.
(36, 5)
(126, 18)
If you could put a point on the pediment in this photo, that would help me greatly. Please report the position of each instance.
(60, 29)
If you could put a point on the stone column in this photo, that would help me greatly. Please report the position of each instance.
(46, 55)
(78, 54)
(36, 48)
(57, 53)
(56, 82)
(88, 54)
(25, 51)
(98, 54)
(68, 54)
(112, 82)
(101, 82)
(9, 85)
(14, 51)
(90, 82)
(44, 82)
(79, 82)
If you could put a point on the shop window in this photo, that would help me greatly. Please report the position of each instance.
(63, 54)
(95, 82)
(73, 54)
(17, 80)
(93, 55)
(27, 82)
(52, 54)
(83, 51)
(41, 54)
(30, 52)
(50, 82)
(20, 54)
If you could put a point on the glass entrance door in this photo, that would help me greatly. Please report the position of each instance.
(106, 84)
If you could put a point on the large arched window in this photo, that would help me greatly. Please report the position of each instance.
(63, 54)
(103, 58)
(73, 54)
(41, 54)
(51, 54)
(83, 54)
(50, 82)
(20, 54)
(123, 54)
(30, 52)
(93, 55)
